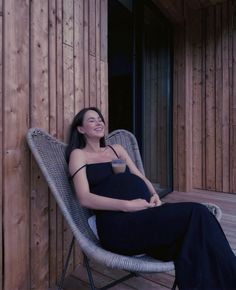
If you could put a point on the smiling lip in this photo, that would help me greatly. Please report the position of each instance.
(99, 129)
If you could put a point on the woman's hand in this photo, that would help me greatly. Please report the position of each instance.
(155, 200)
(137, 204)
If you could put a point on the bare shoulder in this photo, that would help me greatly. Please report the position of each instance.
(120, 150)
(77, 159)
(77, 153)
(118, 147)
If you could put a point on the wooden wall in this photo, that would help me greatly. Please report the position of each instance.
(205, 99)
(53, 62)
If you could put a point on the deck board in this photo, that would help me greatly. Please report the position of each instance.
(160, 281)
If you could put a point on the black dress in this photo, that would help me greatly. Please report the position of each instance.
(186, 233)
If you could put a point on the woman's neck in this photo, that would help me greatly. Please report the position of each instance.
(93, 146)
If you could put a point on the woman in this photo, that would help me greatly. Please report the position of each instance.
(131, 218)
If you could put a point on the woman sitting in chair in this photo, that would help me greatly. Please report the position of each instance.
(132, 220)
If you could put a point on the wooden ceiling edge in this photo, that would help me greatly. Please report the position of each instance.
(200, 4)
(169, 8)
(174, 10)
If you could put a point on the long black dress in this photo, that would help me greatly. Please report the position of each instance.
(184, 232)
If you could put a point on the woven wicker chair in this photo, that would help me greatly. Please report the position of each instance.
(50, 156)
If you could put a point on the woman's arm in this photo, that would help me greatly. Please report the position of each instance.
(94, 201)
(123, 154)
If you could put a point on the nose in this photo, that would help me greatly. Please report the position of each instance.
(99, 122)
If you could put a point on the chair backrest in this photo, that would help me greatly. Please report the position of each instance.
(49, 154)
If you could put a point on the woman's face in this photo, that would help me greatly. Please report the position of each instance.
(93, 126)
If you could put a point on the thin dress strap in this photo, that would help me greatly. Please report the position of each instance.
(72, 176)
(114, 151)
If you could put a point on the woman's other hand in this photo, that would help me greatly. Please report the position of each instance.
(155, 200)
(137, 204)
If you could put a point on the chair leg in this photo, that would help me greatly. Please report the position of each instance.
(174, 285)
(89, 272)
(66, 264)
(108, 286)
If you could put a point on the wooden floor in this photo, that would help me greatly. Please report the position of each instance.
(227, 202)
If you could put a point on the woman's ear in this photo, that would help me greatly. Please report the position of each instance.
(80, 130)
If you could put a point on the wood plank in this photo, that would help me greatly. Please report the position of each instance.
(175, 116)
(78, 55)
(104, 91)
(98, 52)
(92, 54)
(147, 135)
(104, 23)
(78, 78)
(1, 148)
(203, 99)
(180, 54)
(156, 99)
(210, 101)
(104, 60)
(165, 280)
(86, 53)
(197, 104)
(219, 100)
(92, 27)
(188, 99)
(59, 69)
(233, 98)
(68, 98)
(92, 81)
(52, 55)
(68, 64)
(101, 280)
(52, 38)
(15, 152)
(39, 118)
(226, 100)
(60, 125)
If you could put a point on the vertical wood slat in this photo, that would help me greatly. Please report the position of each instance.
(68, 64)
(226, 100)
(53, 130)
(219, 93)
(203, 97)
(60, 125)
(68, 97)
(78, 79)
(1, 147)
(104, 59)
(197, 104)
(147, 73)
(86, 52)
(175, 116)
(78, 55)
(15, 153)
(233, 102)
(92, 53)
(98, 52)
(210, 101)
(180, 91)
(39, 118)
(188, 146)
(103, 33)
